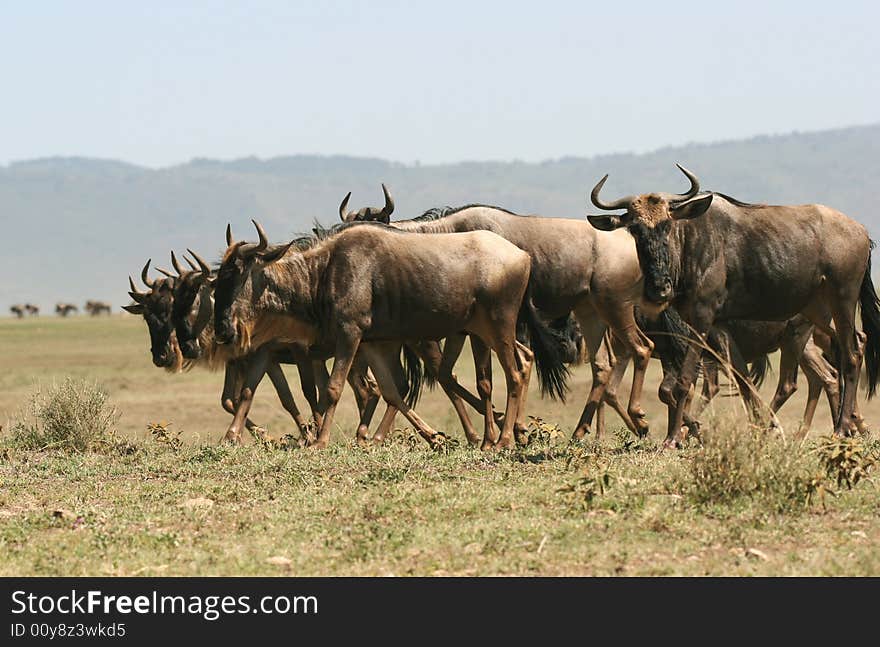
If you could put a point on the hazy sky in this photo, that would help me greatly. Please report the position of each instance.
(158, 83)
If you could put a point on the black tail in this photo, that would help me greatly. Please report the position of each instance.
(573, 341)
(871, 327)
(671, 334)
(413, 368)
(549, 348)
(758, 370)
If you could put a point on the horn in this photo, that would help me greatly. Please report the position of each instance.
(342, 207)
(690, 193)
(167, 273)
(206, 269)
(192, 265)
(176, 265)
(253, 248)
(144, 276)
(620, 203)
(133, 288)
(388, 209)
(229, 238)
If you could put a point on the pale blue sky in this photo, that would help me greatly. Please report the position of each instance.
(159, 83)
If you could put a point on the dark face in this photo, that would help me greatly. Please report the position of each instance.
(186, 294)
(230, 279)
(652, 246)
(155, 307)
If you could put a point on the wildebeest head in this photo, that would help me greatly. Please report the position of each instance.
(649, 218)
(155, 307)
(239, 259)
(368, 214)
(188, 289)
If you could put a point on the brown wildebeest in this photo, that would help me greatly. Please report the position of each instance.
(377, 285)
(717, 259)
(32, 310)
(17, 310)
(192, 318)
(575, 268)
(64, 309)
(156, 307)
(95, 308)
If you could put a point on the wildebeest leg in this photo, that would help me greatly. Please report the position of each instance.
(483, 369)
(309, 386)
(710, 387)
(514, 366)
(441, 363)
(527, 360)
(613, 382)
(451, 350)
(623, 326)
(791, 350)
(593, 331)
(384, 360)
(385, 424)
(820, 376)
(347, 343)
(683, 381)
(850, 358)
(273, 369)
(254, 371)
(231, 388)
(367, 395)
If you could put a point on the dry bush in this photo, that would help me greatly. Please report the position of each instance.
(75, 415)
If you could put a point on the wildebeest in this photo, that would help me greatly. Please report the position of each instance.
(17, 310)
(95, 308)
(718, 259)
(192, 318)
(156, 307)
(31, 309)
(575, 268)
(64, 309)
(371, 288)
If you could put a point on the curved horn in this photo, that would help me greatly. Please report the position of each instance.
(343, 214)
(206, 269)
(144, 276)
(388, 209)
(229, 238)
(690, 193)
(162, 270)
(133, 288)
(254, 248)
(192, 265)
(176, 264)
(620, 203)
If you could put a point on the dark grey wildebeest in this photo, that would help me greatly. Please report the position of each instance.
(17, 310)
(575, 269)
(32, 310)
(64, 309)
(718, 259)
(372, 288)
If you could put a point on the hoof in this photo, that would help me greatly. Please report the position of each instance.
(318, 444)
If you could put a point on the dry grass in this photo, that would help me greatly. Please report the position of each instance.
(173, 502)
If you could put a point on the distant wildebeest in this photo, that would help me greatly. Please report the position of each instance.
(64, 309)
(372, 288)
(718, 259)
(575, 268)
(31, 309)
(95, 308)
(156, 307)
(17, 310)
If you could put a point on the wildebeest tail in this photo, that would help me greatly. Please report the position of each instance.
(412, 367)
(574, 346)
(758, 370)
(548, 346)
(870, 306)
(672, 333)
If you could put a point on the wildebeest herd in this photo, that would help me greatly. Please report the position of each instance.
(94, 308)
(703, 281)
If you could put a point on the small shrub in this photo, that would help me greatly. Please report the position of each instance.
(845, 460)
(593, 482)
(160, 432)
(73, 416)
(745, 462)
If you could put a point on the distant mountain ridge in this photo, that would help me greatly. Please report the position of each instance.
(76, 227)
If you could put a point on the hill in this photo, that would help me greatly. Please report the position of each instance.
(75, 227)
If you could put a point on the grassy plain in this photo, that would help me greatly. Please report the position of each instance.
(613, 508)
